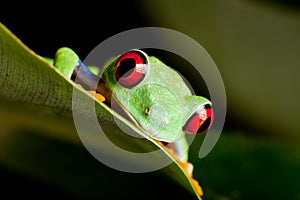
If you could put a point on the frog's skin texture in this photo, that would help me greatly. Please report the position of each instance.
(153, 95)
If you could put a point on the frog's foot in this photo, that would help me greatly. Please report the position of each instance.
(98, 96)
(186, 166)
(93, 93)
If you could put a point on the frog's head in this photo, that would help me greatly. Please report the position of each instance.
(155, 97)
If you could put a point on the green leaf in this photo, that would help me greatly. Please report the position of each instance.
(38, 135)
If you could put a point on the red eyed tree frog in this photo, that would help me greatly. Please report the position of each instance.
(151, 94)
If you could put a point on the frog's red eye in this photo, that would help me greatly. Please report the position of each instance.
(131, 68)
(200, 121)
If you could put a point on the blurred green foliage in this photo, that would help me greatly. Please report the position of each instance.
(256, 47)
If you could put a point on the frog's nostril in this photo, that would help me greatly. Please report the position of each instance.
(147, 111)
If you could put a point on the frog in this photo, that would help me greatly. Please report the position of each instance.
(152, 95)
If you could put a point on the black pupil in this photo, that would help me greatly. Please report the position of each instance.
(204, 126)
(126, 67)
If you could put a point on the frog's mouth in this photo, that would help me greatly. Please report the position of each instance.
(112, 102)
